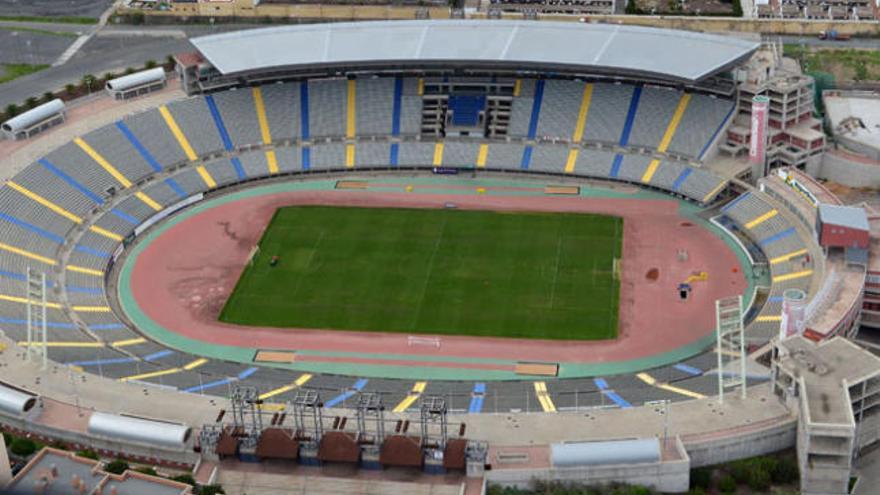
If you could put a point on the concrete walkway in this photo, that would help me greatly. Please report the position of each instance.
(696, 420)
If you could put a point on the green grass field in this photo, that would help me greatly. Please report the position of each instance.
(442, 271)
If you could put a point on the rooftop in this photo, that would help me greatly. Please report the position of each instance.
(517, 45)
(855, 115)
(824, 366)
(63, 473)
(853, 217)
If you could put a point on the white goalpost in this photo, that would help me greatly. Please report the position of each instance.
(413, 340)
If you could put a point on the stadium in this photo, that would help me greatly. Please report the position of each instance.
(528, 240)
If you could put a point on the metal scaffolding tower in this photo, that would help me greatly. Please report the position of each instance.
(209, 436)
(307, 404)
(246, 416)
(731, 345)
(369, 409)
(433, 412)
(36, 315)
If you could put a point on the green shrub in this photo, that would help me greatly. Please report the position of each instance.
(88, 82)
(151, 64)
(740, 470)
(147, 470)
(759, 480)
(88, 454)
(701, 478)
(23, 447)
(8, 438)
(754, 472)
(766, 463)
(211, 490)
(31, 102)
(118, 466)
(189, 480)
(137, 18)
(58, 444)
(727, 484)
(11, 110)
(786, 471)
(48, 96)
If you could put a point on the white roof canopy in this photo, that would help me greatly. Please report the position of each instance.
(520, 45)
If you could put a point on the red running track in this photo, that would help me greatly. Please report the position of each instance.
(183, 278)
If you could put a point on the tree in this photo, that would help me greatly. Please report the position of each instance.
(70, 89)
(130, 70)
(169, 61)
(48, 96)
(632, 8)
(88, 81)
(108, 76)
(8, 438)
(118, 466)
(737, 8)
(11, 110)
(151, 64)
(211, 490)
(23, 447)
(31, 102)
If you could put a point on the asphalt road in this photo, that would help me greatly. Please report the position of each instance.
(101, 54)
(78, 8)
(114, 48)
(25, 47)
(872, 43)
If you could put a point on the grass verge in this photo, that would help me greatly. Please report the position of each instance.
(14, 71)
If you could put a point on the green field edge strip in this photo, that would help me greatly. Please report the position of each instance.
(46, 32)
(223, 312)
(11, 72)
(245, 355)
(49, 19)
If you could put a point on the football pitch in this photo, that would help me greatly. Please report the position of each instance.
(434, 271)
